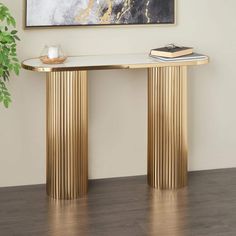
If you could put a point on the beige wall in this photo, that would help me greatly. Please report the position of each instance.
(117, 99)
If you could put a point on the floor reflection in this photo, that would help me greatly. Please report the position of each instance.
(168, 212)
(129, 210)
(125, 207)
(68, 217)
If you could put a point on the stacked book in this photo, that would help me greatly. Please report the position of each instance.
(172, 53)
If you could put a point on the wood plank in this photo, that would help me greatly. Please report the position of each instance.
(125, 206)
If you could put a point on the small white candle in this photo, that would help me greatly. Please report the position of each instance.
(53, 52)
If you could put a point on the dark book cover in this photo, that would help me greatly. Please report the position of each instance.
(171, 50)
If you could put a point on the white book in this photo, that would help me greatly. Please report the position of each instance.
(190, 57)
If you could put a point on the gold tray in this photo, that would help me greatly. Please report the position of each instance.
(47, 60)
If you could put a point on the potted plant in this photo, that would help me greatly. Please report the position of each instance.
(9, 62)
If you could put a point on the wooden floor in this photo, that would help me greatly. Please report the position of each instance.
(125, 207)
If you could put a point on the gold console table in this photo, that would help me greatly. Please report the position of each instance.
(67, 120)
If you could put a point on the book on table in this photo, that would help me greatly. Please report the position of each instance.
(190, 57)
(171, 51)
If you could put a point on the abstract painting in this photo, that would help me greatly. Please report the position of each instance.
(47, 13)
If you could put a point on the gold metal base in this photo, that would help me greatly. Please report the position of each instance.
(167, 127)
(67, 135)
(67, 131)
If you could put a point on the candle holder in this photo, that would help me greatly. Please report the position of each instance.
(52, 55)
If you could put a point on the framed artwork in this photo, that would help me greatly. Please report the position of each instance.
(51, 13)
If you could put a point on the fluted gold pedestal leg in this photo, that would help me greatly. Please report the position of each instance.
(67, 135)
(167, 127)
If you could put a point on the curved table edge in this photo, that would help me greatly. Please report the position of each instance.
(113, 67)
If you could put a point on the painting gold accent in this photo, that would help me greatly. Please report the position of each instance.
(84, 14)
(67, 135)
(167, 127)
(82, 17)
(126, 8)
(106, 18)
(146, 11)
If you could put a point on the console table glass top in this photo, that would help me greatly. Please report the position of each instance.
(102, 62)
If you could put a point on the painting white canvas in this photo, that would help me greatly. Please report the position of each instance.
(98, 12)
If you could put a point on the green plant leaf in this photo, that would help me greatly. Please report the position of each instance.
(6, 103)
(9, 62)
(16, 37)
